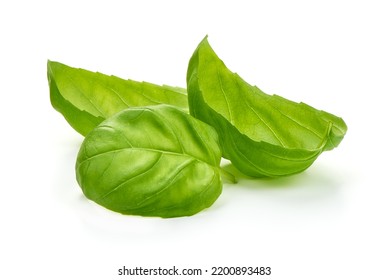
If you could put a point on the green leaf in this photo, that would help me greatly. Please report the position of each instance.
(262, 135)
(87, 98)
(151, 161)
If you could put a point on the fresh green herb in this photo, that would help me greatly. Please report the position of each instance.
(86, 98)
(262, 135)
(143, 154)
(151, 161)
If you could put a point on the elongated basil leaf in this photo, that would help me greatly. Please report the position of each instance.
(87, 98)
(262, 135)
(151, 161)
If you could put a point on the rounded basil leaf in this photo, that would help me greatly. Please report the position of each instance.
(151, 161)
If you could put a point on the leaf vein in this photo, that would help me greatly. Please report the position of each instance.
(130, 179)
(182, 168)
(225, 96)
(83, 93)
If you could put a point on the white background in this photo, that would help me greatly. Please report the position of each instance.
(330, 222)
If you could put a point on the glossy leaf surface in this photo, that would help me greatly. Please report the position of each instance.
(87, 98)
(151, 161)
(262, 135)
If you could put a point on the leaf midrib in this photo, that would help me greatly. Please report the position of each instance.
(145, 149)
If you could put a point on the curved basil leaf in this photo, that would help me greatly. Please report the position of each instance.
(87, 98)
(151, 161)
(262, 135)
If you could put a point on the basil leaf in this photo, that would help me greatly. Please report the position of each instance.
(262, 135)
(151, 161)
(87, 98)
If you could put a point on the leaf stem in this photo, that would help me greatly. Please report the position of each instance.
(228, 176)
